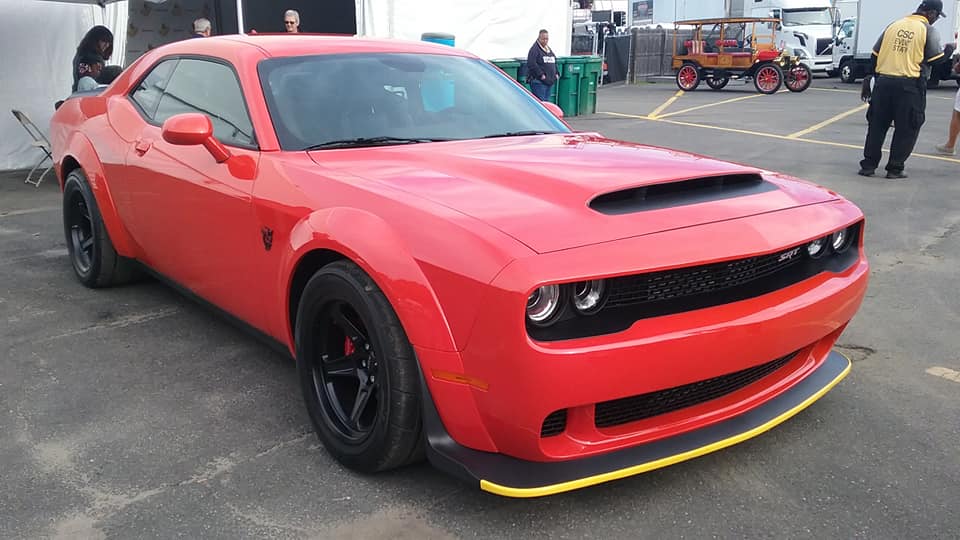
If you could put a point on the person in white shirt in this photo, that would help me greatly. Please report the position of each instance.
(950, 147)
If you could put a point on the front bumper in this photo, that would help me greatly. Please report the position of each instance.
(512, 477)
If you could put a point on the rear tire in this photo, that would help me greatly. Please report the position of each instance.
(358, 372)
(94, 259)
(688, 78)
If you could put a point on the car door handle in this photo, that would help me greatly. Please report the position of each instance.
(142, 146)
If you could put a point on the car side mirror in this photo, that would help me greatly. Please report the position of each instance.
(192, 129)
(553, 108)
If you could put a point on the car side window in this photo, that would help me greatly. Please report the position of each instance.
(210, 88)
(148, 92)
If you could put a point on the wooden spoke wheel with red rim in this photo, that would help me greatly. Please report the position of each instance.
(717, 83)
(798, 78)
(688, 78)
(768, 79)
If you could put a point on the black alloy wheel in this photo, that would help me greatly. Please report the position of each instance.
(346, 372)
(95, 261)
(358, 372)
(79, 227)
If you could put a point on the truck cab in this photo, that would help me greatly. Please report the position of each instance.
(807, 27)
(856, 37)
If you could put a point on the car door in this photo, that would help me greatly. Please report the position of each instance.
(195, 221)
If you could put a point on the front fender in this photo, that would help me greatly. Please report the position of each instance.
(372, 244)
(79, 149)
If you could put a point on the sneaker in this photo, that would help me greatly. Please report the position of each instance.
(945, 150)
(896, 175)
(866, 172)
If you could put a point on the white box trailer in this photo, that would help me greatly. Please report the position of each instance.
(666, 12)
(858, 35)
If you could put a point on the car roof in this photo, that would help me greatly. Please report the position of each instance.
(281, 45)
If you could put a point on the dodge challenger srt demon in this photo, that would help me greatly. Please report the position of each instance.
(456, 272)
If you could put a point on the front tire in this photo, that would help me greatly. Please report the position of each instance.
(358, 372)
(718, 84)
(95, 261)
(847, 74)
(798, 78)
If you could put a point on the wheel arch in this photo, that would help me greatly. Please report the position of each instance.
(80, 154)
(330, 235)
(369, 242)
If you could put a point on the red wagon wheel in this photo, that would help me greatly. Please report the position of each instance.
(768, 79)
(799, 78)
(688, 78)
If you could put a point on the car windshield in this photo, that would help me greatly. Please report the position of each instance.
(802, 17)
(337, 101)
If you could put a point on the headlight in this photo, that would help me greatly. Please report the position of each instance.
(544, 305)
(816, 248)
(589, 296)
(841, 240)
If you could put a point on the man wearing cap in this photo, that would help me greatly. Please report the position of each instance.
(901, 60)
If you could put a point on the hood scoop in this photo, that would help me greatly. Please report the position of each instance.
(682, 193)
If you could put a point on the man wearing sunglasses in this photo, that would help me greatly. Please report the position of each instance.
(291, 21)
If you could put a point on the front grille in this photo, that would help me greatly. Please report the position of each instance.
(668, 292)
(824, 45)
(554, 424)
(631, 409)
(672, 284)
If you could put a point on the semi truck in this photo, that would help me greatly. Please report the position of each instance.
(857, 35)
(807, 27)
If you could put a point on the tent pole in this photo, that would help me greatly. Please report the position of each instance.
(240, 17)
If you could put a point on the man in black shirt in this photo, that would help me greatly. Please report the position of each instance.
(542, 67)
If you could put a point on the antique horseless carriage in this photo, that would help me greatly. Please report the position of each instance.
(744, 48)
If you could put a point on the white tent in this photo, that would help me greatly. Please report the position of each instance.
(40, 39)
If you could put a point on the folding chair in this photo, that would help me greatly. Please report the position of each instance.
(40, 141)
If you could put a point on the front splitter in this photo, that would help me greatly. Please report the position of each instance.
(511, 477)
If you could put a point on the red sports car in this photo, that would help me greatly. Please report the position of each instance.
(457, 273)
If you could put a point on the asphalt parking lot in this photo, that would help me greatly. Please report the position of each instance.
(134, 413)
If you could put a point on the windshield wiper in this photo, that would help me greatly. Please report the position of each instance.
(370, 141)
(519, 133)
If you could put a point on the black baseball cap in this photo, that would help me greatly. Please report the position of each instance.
(932, 5)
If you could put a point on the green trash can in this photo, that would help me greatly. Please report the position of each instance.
(568, 87)
(589, 80)
(509, 66)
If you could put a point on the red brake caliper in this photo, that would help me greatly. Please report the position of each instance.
(348, 347)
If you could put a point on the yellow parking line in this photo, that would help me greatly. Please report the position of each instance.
(946, 373)
(826, 123)
(668, 103)
(624, 115)
(769, 135)
(697, 108)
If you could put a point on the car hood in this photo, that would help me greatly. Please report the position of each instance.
(556, 192)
